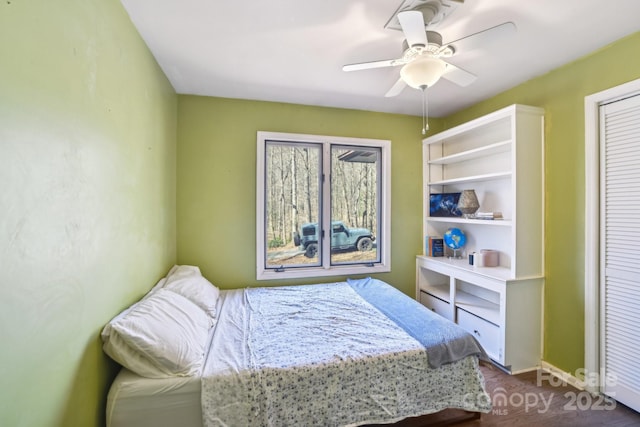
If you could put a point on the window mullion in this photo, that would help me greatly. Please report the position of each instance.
(326, 205)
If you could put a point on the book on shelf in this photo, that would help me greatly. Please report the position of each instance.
(435, 246)
(488, 215)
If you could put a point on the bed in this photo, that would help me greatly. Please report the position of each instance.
(340, 354)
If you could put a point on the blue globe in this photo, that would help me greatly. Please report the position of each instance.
(455, 238)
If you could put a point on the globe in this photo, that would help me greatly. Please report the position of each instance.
(455, 239)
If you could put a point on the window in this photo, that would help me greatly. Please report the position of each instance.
(323, 206)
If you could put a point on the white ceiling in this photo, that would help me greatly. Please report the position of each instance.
(293, 50)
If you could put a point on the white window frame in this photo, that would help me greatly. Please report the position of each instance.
(263, 273)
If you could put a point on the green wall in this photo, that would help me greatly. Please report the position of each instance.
(217, 179)
(87, 199)
(561, 93)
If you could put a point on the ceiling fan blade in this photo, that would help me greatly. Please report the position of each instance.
(458, 75)
(412, 23)
(396, 89)
(484, 37)
(368, 65)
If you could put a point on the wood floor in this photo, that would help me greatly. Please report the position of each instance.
(530, 399)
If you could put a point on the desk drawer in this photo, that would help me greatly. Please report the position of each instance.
(485, 332)
(435, 304)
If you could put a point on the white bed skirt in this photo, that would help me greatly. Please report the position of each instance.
(135, 401)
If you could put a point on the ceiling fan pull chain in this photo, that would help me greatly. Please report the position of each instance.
(425, 111)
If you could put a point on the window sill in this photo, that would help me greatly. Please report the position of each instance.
(301, 273)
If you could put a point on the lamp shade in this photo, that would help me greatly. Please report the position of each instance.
(423, 72)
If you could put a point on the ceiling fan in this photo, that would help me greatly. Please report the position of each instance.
(423, 51)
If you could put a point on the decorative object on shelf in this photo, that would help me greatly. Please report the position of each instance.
(490, 258)
(444, 204)
(485, 258)
(435, 246)
(488, 215)
(468, 203)
(455, 239)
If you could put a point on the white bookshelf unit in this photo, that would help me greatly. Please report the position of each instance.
(501, 157)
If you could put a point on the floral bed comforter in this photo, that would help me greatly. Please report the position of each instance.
(329, 355)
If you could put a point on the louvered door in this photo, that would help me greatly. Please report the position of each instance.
(620, 249)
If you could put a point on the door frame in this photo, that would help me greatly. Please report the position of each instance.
(592, 105)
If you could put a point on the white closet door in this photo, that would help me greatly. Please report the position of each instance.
(620, 249)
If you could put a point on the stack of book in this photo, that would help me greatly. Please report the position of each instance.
(435, 246)
(488, 215)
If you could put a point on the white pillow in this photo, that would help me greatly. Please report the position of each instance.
(161, 336)
(157, 286)
(107, 329)
(193, 286)
(181, 271)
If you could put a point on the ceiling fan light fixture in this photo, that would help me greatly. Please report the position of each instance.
(423, 72)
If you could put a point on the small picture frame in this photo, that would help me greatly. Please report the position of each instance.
(444, 205)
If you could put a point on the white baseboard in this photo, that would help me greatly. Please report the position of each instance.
(562, 376)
